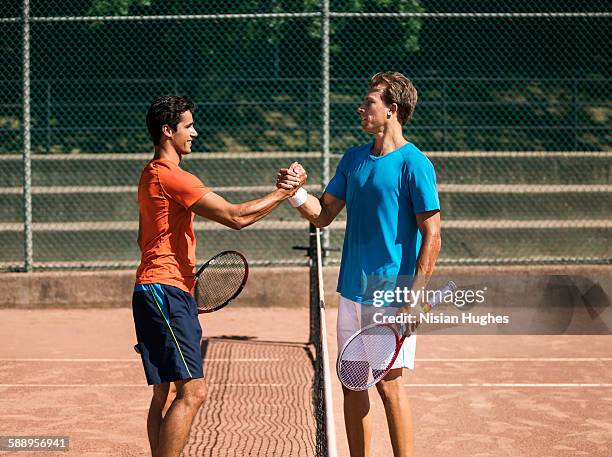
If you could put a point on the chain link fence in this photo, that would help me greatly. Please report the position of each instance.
(514, 111)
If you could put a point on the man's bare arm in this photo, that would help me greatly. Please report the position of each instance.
(321, 212)
(429, 224)
(237, 216)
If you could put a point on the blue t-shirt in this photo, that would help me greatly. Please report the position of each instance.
(382, 195)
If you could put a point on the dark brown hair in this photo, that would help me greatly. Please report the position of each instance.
(166, 110)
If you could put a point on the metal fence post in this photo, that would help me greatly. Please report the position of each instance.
(27, 147)
(575, 112)
(326, 114)
(48, 149)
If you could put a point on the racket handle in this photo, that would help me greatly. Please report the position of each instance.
(427, 307)
(448, 287)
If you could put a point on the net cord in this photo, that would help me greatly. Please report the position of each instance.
(329, 403)
(326, 430)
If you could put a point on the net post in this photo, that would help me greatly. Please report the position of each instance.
(313, 335)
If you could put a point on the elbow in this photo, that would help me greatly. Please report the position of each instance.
(239, 222)
(437, 237)
(320, 224)
(430, 254)
(236, 224)
(236, 220)
(436, 240)
(324, 218)
(432, 234)
(321, 220)
(437, 244)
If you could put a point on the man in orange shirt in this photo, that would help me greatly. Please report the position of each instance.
(165, 313)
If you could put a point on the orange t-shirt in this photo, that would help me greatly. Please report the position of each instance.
(167, 242)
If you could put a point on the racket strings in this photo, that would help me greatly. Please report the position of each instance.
(367, 357)
(219, 281)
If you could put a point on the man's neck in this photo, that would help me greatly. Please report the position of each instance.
(167, 152)
(389, 140)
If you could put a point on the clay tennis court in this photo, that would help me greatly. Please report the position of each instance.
(73, 372)
(512, 108)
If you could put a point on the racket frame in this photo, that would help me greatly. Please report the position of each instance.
(212, 260)
(399, 341)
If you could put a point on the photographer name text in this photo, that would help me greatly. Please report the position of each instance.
(441, 318)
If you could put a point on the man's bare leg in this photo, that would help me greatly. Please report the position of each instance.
(176, 424)
(358, 422)
(169, 398)
(397, 409)
(155, 417)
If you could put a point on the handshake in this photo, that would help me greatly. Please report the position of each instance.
(291, 179)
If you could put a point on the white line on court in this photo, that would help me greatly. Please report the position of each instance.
(134, 360)
(494, 385)
(141, 385)
(442, 359)
(432, 360)
(61, 386)
(514, 385)
(243, 360)
(71, 360)
(517, 359)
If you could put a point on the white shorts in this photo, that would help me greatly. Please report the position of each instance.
(351, 315)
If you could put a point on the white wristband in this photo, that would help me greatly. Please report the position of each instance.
(299, 198)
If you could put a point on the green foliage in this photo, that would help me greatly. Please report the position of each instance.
(114, 7)
(532, 84)
(388, 36)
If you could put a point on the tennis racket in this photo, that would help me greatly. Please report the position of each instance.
(370, 353)
(220, 280)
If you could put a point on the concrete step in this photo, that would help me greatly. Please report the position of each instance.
(504, 243)
(257, 169)
(119, 203)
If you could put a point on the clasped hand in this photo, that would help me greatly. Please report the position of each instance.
(292, 178)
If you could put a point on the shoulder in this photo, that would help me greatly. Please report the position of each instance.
(355, 153)
(174, 179)
(149, 173)
(149, 168)
(358, 150)
(165, 166)
(415, 158)
(170, 170)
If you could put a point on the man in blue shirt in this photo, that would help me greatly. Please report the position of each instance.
(392, 233)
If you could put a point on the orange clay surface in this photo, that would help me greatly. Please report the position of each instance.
(75, 373)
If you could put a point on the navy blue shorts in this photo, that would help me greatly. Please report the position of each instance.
(168, 333)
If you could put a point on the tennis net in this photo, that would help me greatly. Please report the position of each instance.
(322, 392)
